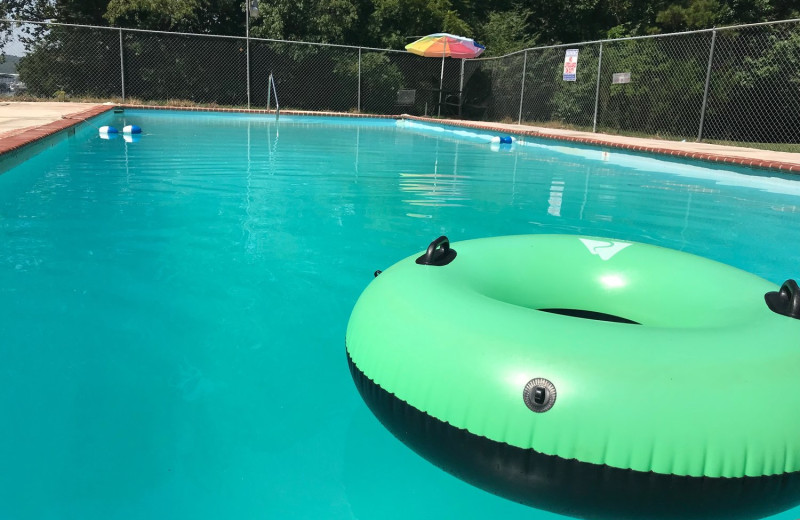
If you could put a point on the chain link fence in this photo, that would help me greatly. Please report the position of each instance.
(737, 84)
(754, 85)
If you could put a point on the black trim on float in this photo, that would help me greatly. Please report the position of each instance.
(786, 301)
(438, 253)
(571, 487)
(590, 315)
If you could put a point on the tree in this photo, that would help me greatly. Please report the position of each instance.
(506, 32)
(335, 21)
(699, 14)
(222, 17)
(163, 15)
(395, 23)
(85, 12)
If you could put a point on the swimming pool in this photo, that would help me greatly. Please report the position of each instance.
(173, 309)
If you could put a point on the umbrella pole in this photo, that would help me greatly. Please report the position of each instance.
(441, 80)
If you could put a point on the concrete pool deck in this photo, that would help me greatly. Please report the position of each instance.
(22, 123)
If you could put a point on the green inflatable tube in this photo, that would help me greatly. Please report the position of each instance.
(591, 377)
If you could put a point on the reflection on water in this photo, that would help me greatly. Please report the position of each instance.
(556, 197)
(433, 189)
(437, 189)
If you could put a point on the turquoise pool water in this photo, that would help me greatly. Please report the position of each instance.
(172, 310)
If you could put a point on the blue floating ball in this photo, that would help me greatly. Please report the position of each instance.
(506, 139)
(132, 129)
(108, 130)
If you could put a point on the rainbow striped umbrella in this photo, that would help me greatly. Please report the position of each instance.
(445, 45)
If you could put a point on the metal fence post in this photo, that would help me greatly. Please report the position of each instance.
(522, 88)
(359, 79)
(122, 65)
(708, 82)
(247, 44)
(597, 87)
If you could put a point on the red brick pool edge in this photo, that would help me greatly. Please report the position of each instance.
(17, 138)
(762, 159)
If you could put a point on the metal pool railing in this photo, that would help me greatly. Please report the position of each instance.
(273, 90)
(738, 84)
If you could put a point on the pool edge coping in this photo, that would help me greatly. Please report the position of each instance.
(782, 166)
(15, 140)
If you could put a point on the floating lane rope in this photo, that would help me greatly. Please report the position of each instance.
(503, 139)
(590, 377)
(471, 135)
(107, 132)
(130, 133)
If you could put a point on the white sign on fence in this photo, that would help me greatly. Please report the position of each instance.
(621, 77)
(570, 65)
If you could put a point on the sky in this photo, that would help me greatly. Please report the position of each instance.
(14, 47)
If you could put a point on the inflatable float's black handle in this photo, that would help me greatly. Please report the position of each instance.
(438, 253)
(786, 301)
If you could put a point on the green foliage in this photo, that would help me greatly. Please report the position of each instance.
(573, 101)
(506, 25)
(453, 24)
(618, 31)
(380, 80)
(755, 91)
(152, 14)
(164, 67)
(662, 79)
(283, 20)
(334, 20)
(506, 32)
(699, 14)
(394, 23)
(72, 60)
(224, 17)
